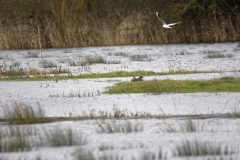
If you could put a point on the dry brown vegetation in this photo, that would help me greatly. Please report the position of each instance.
(63, 23)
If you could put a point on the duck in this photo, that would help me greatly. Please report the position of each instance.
(140, 78)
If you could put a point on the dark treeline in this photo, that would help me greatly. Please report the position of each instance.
(72, 23)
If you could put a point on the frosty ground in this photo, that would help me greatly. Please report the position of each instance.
(153, 137)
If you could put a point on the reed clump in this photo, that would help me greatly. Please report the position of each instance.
(185, 127)
(78, 94)
(34, 73)
(118, 127)
(55, 24)
(32, 55)
(58, 138)
(114, 114)
(14, 139)
(22, 113)
(198, 148)
(12, 73)
(25, 138)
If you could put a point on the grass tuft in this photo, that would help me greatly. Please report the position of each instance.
(115, 113)
(77, 94)
(32, 54)
(12, 73)
(140, 57)
(16, 138)
(95, 60)
(113, 61)
(105, 147)
(84, 155)
(47, 64)
(197, 148)
(150, 155)
(58, 137)
(118, 126)
(219, 55)
(21, 113)
(18, 143)
(187, 126)
(78, 63)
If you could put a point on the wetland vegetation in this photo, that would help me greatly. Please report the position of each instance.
(27, 24)
(88, 113)
(225, 84)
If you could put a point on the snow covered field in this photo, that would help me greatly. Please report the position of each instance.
(152, 138)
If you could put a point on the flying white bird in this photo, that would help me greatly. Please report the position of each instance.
(165, 25)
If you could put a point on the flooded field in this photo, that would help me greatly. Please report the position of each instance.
(168, 128)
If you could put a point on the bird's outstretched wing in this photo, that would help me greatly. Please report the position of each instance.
(160, 18)
(171, 24)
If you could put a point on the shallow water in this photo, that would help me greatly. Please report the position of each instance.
(59, 99)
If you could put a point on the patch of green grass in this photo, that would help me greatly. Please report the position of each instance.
(134, 73)
(226, 84)
(30, 74)
(117, 74)
(101, 75)
(21, 113)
